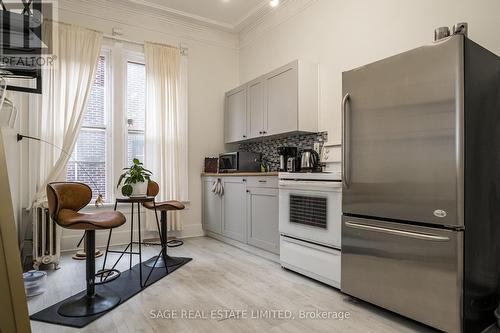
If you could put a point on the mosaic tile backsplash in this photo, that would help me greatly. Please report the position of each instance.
(269, 147)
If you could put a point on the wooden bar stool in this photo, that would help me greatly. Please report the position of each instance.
(65, 202)
(163, 207)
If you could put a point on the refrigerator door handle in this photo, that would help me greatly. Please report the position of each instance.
(398, 232)
(345, 180)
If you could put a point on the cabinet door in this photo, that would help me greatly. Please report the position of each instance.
(234, 209)
(282, 101)
(263, 219)
(212, 207)
(256, 108)
(235, 117)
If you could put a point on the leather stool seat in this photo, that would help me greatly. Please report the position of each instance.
(165, 205)
(70, 219)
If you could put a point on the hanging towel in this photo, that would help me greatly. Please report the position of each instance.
(217, 188)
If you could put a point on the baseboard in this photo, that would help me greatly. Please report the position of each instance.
(245, 247)
(69, 241)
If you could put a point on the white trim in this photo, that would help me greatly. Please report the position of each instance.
(194, 17)
(125, 14)
(266, 23)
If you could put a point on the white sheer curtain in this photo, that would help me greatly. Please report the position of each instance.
(166, 125)
(59, 110)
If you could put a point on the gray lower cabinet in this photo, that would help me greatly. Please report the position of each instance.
(212, 207)
(262, 218)
(247, 212)
(234, 208)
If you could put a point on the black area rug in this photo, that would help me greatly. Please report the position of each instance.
(126, 286)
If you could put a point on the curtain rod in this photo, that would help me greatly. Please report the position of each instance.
(183, 50)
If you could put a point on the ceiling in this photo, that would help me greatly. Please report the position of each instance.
(230, 15)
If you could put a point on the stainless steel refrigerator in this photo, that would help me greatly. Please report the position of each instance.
(421, 174)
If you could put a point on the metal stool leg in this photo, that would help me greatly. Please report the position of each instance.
(91, 303)
(171, 261)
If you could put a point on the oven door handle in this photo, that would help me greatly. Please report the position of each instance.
(310, 185)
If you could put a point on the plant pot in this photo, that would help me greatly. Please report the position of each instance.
(139, 189)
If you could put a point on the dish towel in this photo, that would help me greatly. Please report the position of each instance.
(217, 188)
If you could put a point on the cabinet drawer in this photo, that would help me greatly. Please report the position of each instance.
(269, 181)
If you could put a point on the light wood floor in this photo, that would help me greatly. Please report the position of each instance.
(222, 277)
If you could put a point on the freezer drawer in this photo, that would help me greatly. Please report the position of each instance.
(414, 271)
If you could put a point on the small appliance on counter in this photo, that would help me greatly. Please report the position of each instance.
(211, 165)
(287, 153)
(240, 161)
(310, 161)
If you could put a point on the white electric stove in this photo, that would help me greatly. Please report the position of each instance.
(310, 212)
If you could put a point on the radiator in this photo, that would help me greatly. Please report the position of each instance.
(46, 239)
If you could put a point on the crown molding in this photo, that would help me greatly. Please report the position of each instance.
(287, 10)
(185, 15)
(126, 14)
(259, 11)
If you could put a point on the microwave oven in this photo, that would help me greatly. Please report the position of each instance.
(240, 161)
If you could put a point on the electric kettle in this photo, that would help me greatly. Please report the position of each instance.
(309, 161)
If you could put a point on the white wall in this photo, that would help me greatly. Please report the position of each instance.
(341, 35)
(213, 69)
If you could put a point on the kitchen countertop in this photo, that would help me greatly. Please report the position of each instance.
(241, 174)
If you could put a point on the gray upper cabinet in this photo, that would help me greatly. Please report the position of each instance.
(262, 218)
(283, 101)
(234, 208)
(256, 108)
(212, 207)
(235, 127)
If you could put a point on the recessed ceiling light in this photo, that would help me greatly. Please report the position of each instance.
(274, 3)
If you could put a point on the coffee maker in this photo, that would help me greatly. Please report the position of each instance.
(285, 154)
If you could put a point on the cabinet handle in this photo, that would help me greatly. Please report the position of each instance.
(244, 136)
(260, 132)
(244, 180)
(264, 132)
(262, 181)
(248, 191)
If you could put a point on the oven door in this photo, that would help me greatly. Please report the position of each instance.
(311, 211)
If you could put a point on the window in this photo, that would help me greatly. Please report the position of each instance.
(136, 110)
(112, 132)
(88, 162)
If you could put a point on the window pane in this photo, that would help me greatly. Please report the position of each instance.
(95, 114)
(88, 162)
(135, 147)
(136, 110)
(136, 96)
(91, 146)
(91, 173)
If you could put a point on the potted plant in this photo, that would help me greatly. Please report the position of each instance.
(135, 180)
